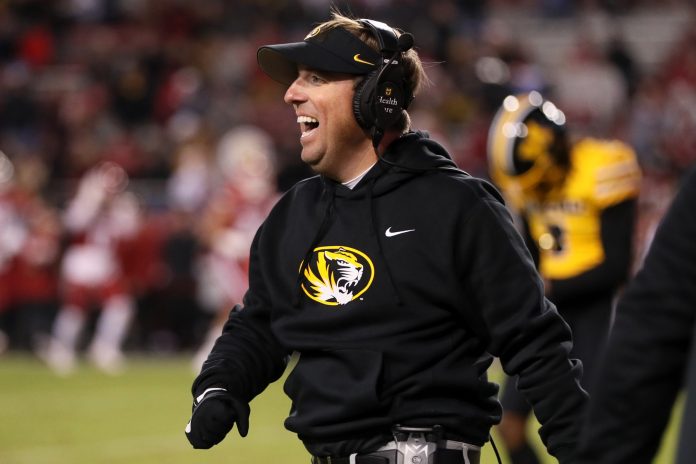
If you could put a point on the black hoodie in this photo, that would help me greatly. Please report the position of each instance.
(397, 295)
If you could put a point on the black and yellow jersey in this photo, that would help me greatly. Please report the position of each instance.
(566, 225)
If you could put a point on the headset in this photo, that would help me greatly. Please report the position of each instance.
(380, 98)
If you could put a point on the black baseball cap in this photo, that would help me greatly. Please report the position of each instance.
(324, 49)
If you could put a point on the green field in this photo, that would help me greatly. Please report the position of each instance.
(139, 418)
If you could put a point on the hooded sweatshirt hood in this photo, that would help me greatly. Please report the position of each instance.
(411, 155)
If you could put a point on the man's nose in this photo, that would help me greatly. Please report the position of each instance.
(294, 94)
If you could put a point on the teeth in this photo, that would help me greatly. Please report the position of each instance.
(307, 120)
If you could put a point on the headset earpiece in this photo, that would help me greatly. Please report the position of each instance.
(362, 98)
(388, 99)
(382, 95)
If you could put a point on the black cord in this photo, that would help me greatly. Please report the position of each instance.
(495, 450)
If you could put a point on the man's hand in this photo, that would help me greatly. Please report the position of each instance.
(214, 414)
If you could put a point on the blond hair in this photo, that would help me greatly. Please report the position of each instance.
(411, 62)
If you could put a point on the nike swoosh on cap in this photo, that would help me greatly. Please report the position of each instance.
(390, 233)
(357, 58)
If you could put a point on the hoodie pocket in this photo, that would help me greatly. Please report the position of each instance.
(332, 389)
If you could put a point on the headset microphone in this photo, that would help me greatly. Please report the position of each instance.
(405, 42)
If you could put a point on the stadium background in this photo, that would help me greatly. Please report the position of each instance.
(164, 88)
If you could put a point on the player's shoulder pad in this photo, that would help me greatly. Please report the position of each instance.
(605, 170)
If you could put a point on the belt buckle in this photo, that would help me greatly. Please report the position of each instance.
(416, 445)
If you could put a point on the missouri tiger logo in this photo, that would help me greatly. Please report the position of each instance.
(337, 275)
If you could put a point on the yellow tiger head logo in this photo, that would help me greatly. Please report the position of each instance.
(537, 143)
(337, 275)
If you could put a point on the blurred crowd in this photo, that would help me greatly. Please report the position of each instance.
(140, 146)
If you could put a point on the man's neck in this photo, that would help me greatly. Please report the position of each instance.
(354, 181)
(364, 159)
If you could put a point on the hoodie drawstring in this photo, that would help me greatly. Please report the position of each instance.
(324, 227)
(321, 231)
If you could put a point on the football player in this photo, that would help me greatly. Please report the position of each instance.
(576, 202)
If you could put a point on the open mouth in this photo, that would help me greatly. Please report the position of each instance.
(307, 124)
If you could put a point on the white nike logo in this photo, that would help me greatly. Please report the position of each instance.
(389, 232)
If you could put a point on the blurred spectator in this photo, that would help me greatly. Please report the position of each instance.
(589, 88)
(646, 125)
(618, 54)
(246, 159)
(34, 282)
(12, 236)
(169, 318)
(98, 219)
(29, 253)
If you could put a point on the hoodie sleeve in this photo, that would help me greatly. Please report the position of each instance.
(246, 357)
(521, 326)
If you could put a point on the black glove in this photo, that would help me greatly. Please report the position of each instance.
(213, 416)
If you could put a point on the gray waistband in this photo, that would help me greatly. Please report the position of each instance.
(446, 444)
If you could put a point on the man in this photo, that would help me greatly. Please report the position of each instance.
(576, 202)
(651, 352)
(395, 278)
(102, 221)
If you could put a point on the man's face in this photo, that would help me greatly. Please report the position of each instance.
(332, 142)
